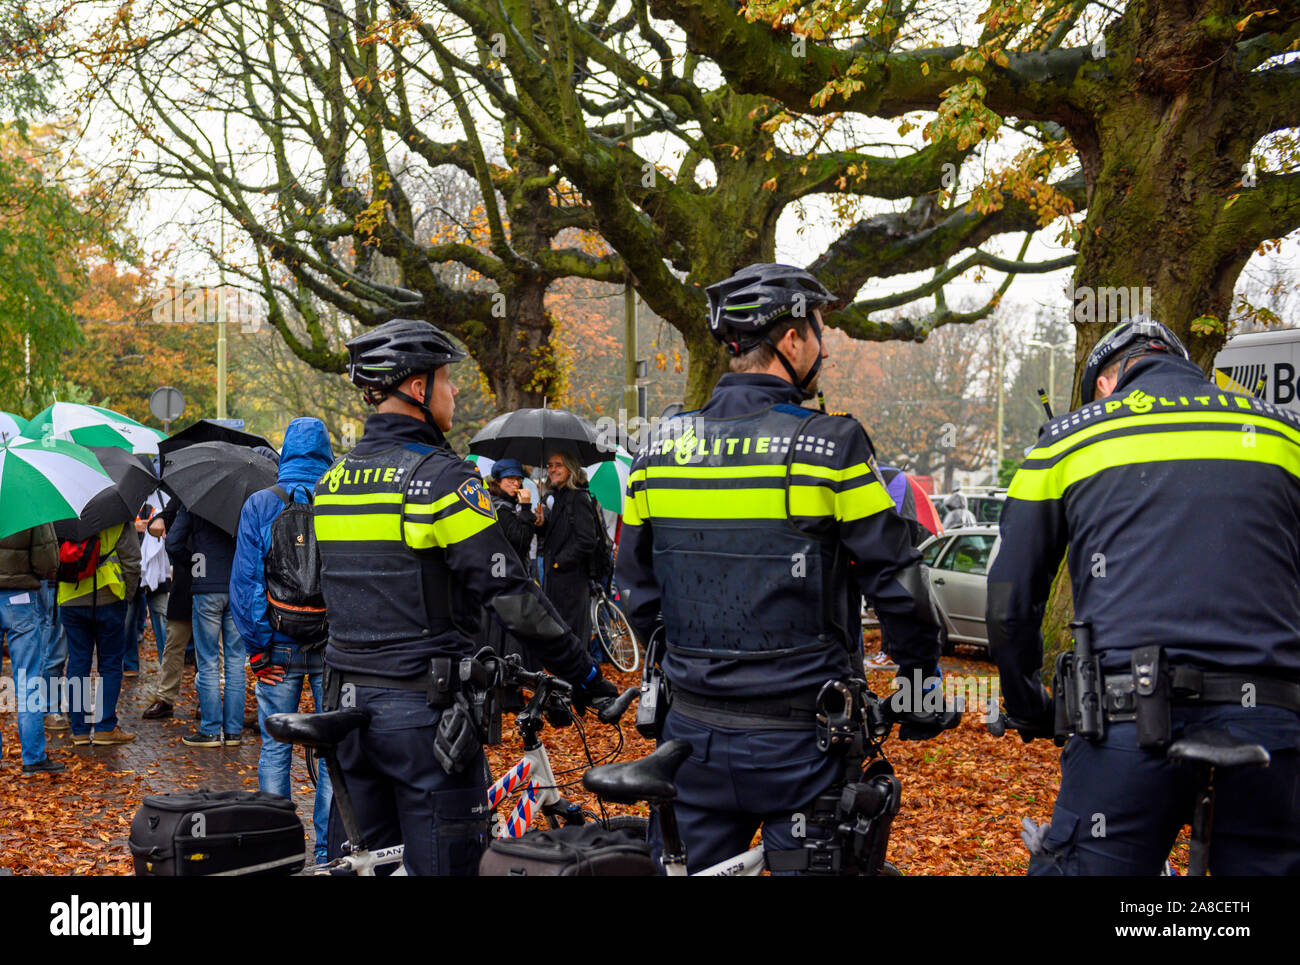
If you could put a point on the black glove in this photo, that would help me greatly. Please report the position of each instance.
(1040, 727)
(918, 705)
(457, 742)
(1039, 723)
(594, 689)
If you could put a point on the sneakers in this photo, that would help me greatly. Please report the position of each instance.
(46, 766)
(196, 738)
(231, 740)
(158, 710)
(114, 736)
(880, 661)
(56, 723)
(81, 738)
(130, 674)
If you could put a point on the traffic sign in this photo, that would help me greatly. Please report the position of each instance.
(167, 403)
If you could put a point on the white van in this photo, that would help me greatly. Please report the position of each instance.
(1263, 364)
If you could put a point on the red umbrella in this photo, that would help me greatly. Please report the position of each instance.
(925, 514)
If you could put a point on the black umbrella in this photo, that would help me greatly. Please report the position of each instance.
(530, 435)
(133, 481)
(205, 430)
(214, 480)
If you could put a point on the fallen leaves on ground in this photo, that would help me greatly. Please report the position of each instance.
(964, 794)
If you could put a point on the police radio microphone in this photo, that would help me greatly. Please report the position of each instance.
(1047, 406)
(821, 401)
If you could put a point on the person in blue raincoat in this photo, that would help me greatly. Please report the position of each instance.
(281, 664)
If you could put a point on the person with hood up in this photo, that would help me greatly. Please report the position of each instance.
(958, 514)
(282, 664)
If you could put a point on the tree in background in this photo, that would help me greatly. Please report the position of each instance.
(1180, 118)
(686, 215)
(321, 134)
(928, 406)
(56, 223)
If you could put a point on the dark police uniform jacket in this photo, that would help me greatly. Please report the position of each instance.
(739, 525)
(1180, 505)
(411, 554)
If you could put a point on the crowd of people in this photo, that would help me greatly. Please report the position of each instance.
(205, 594)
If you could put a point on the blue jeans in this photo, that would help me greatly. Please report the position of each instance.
(300, 667)
(97, 632)
(154, 603)
(22, 618)
(215, 633)
(54, 648)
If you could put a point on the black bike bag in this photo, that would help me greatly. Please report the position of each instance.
(576, 849)
(217, 833)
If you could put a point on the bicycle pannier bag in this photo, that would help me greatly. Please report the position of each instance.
(579, 849)
(217, 833)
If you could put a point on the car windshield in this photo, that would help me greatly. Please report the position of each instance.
(988, 510)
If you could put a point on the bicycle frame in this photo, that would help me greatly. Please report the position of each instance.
(532, 773)
(747, 865)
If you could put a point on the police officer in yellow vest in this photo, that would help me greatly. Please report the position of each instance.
(1177, 508)
(411, 555)
(105, 573)
(738, 531)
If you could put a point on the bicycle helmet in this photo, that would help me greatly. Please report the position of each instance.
(744, 308)
(1133, 336)
(384, 357)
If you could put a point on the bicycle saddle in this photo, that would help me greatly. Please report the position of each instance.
(649, 779)
(1216, 748)
(323, 732)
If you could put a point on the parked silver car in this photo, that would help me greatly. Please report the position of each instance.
(958, 564)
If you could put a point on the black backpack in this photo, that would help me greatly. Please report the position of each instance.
(295, 605)
(600, 565)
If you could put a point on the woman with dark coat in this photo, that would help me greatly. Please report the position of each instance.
(568, 537)
(511, 502)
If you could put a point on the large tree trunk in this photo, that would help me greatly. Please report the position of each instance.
(515, 351)
(1160, 158)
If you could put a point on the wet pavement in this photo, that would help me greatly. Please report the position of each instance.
(103, 786)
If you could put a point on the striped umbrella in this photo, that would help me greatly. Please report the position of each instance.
(11, 425)
(45, 480)
(91, 425)
(608, 480)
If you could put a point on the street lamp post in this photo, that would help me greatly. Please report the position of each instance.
(1051, 365)
(221, 312)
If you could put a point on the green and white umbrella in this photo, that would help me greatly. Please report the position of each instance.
(44, 480)
(11, 425)
(91, 425)
(608, 480)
